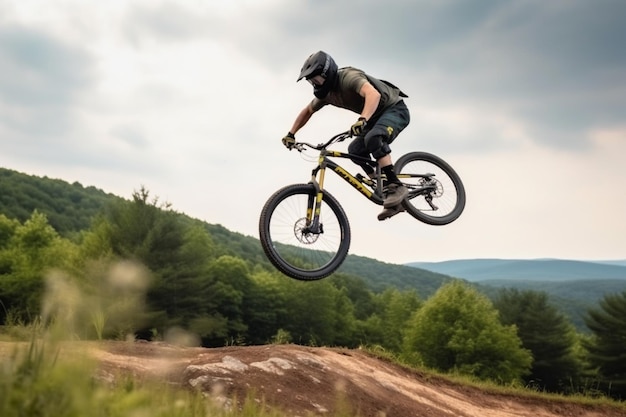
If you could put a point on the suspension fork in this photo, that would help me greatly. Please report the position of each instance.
(314, 205)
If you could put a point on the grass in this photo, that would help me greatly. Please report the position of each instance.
(35, 380)
(38, 380)
(590, 399)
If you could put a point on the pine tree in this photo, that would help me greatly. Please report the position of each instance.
(607, 350)
(546, 333)
(176, 254)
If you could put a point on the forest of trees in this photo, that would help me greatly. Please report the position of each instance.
(140, 268)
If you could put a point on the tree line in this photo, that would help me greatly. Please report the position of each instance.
(70, 209)
(142, 269)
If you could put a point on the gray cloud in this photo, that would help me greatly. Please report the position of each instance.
(41, 81)
(163, 21)
(43, 89)
(39, 70)
(557, 67)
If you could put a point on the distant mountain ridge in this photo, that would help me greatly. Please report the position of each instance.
(618, 262)
(477, 270)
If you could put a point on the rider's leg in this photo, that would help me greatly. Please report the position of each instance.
(357, 147)
(376, 143)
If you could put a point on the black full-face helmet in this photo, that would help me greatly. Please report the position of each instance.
(320, 63)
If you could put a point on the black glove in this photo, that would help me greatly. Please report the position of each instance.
(358, 128)
(289, 141)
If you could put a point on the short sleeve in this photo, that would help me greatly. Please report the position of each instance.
(354, 81)
(317, 104)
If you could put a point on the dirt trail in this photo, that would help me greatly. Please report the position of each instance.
(304, 380)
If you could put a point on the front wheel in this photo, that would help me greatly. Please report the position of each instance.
(291, 245)
(436, 193)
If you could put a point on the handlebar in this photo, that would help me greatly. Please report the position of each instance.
(340, 137)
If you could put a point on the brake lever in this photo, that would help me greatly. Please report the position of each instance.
(345, 136)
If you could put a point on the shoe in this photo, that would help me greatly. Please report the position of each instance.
(395, 194)
(390, 212)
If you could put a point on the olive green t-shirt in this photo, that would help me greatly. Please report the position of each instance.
(345, 93)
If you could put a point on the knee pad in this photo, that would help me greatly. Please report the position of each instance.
(377, 141)
(384, 150)
(357, 147)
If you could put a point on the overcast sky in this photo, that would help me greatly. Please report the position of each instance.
(190, 98)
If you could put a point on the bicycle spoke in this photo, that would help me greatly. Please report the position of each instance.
(293, 246)
(436, 194)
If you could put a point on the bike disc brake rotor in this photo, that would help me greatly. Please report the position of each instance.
(302, 234)
(437, 187)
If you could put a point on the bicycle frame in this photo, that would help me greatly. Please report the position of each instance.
(374, 193)
(314, 205)
(307, 242)
(360, 183)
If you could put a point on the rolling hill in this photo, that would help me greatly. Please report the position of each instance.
(70, 208)
(573, 285)
(478, 270)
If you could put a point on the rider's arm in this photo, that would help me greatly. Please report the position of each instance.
(372, 98)
(302, 118)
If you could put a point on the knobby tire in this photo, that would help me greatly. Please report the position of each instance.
(449, 196)
(298, 255)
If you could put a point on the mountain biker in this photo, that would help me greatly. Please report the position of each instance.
(382, 116)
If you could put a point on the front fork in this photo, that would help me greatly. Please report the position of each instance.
(314, 204)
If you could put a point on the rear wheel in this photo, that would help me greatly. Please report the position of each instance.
(436, 193)
(290, 243)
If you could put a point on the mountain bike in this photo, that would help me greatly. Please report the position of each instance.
(305, 232)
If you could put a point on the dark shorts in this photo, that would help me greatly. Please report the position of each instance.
(383, 131)
(391, 123)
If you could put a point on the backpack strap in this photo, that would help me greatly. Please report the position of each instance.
(401, 93)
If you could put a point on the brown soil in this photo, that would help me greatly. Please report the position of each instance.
(320, 381)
